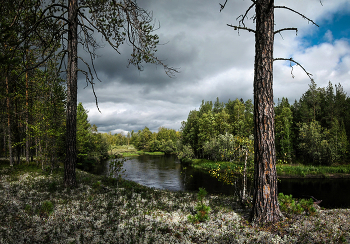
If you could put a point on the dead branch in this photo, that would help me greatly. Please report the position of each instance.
(241, 28)
(292, 60)
(245, 15)
(290, 9)
(88, 80)
(285, 29)
(222, 6)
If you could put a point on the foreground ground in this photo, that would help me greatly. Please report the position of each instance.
(36, 208)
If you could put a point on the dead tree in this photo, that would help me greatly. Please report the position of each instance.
(265, 201)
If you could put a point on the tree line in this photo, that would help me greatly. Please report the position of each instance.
(314, 130)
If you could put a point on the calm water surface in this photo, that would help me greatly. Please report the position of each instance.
(166, 172)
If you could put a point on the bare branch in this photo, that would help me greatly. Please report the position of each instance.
(89, 40)
(285, 29)
(292, 60)
(88, 80)
(241, 28)
(310, 20)
(222, 6)
(245, 15)
(52, 6)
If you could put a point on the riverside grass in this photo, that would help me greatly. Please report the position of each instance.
(283, 170)
(129, 151)
(35, 207)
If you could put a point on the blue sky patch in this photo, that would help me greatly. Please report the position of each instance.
(334, 28)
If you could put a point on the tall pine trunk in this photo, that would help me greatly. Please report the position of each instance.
(71, 124)
(8, 106)
(265, 202)
(27, 116)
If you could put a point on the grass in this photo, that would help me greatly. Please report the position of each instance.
(283, 170)
(123, 150)
(130, 151)
(35, 207)
(299, 170)
(206, 165)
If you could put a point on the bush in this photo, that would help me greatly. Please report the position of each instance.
(291, 205)
(46, 208)
(186, 154)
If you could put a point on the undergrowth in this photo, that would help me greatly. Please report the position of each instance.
(291, 205)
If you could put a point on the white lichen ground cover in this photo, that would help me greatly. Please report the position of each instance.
(96, 211)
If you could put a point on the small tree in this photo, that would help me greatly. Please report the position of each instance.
(116, 168)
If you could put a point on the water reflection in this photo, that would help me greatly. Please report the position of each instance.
(166, 172)
(155, 171)
(334, 193)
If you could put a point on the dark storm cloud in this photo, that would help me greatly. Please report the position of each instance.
(213, 61)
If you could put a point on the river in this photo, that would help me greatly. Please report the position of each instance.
(166, 172)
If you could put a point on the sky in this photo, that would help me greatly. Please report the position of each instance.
(214, 60)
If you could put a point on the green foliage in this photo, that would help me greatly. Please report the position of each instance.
(186, 154)
(53, 186)
(321, 126)
(202, 209)
(303, 170)
(164, 141)
(46, 208)
(291, 205)
(322, 146)
(314, 130)
(96, 185)
(283, 131)
(92, 147)
(210, 131)
(116, 168)
(28, 209)
(239, 170)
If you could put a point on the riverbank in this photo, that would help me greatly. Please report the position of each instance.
(36, 208)
(129, 151)
(283, 170)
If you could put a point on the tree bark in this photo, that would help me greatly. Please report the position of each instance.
(8, 105)
(265, 202)
(27, 116)
(72, 77)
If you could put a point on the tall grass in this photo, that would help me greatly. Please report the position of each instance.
(283, 170)
(312, 171)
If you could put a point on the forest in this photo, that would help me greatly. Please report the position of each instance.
(46, 136)
(314, 130)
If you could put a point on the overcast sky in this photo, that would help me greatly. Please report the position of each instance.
(214, 60)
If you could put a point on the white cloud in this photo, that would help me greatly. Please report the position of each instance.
(328, 36)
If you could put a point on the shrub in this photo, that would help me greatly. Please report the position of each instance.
(46, 208)
(291, 205)
(186, 154)
(202, 209)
